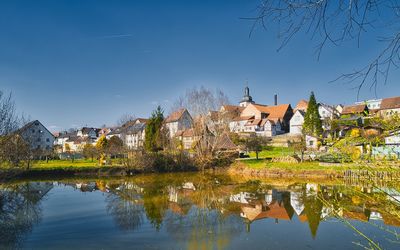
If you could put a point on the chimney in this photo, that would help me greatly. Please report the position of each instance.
(275, 99)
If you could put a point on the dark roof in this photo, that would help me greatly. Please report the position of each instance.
(86, 130)
(138, 127)
(29, 124)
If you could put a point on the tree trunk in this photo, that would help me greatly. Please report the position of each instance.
(257, 155)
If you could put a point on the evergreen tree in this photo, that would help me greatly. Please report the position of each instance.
(153, 140)
(312, 120)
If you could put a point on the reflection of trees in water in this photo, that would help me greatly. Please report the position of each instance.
(19, 211)
(123, 206)
(203, 228)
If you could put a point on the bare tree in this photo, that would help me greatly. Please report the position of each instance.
(206, 128)
(8, 118)
(199, 101)
(125, 118)
(334, 22)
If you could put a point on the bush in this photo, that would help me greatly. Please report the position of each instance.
(335, 158)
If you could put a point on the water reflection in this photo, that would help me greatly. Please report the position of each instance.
(213, 211)
(20, 211)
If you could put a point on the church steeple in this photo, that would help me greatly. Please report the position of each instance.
(247, 99)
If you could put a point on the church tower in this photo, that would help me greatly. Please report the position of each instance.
(247, 99)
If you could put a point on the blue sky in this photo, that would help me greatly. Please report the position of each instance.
(74, 63)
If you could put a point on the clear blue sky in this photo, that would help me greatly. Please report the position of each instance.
(72, 63)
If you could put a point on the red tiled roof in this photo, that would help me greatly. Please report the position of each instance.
(175, 116)
(302, 105)
(353, 109)
(391, 103)
(274, 112)
(243, 118)
(232, 108)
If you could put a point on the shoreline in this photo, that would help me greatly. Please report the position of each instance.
(235, 169)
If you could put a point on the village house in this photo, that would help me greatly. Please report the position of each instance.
(135, 134)
(178, 120)
(260, 119)
(37, 136)
(86, 132)
(389, 106)
(358, 110)
(296, 122)
(372, 104)
(326, 112)
(186, 138)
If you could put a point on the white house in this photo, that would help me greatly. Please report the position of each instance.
(311, 142)
(296, 123)
(262, 127)
(135, 135)
(372, 104)
(327, 112)
(178, 120)
(87, 133)
(390, 106)
(37, 135)
(393, 138)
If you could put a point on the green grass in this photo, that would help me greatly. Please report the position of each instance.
(311, 166)
(272, 152)
(53, 164)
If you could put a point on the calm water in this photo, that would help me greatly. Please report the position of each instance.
(196, 211)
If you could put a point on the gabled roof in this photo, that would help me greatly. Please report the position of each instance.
(175, 116)
(232, 108)
(86, 130)
(225, 143)
(274, 112)
(135, 128)
(391, 103)
(302, 105)
(243, 118)
(354, 109)
(30, 124)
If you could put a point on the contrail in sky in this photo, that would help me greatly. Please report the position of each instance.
(116, 36)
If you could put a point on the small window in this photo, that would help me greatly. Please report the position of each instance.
(38, 139)
(33, 131)
(47, 139)
(311, 143)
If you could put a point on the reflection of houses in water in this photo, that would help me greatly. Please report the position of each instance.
(375, 216)
(356, 213)
(311, 189)
(277, 208)
(41, 188)
(242, 197)
(189, 185)
(86, 187)
(296, 202)
(172, 194)
(392, 194)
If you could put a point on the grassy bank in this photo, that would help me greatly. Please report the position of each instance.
(271, 152)
(266, 168)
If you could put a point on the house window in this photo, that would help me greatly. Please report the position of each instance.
(33, 131)
(311, 143)
(47, 139)
(38, 139)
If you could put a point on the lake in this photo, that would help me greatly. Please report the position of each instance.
(198, 211)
